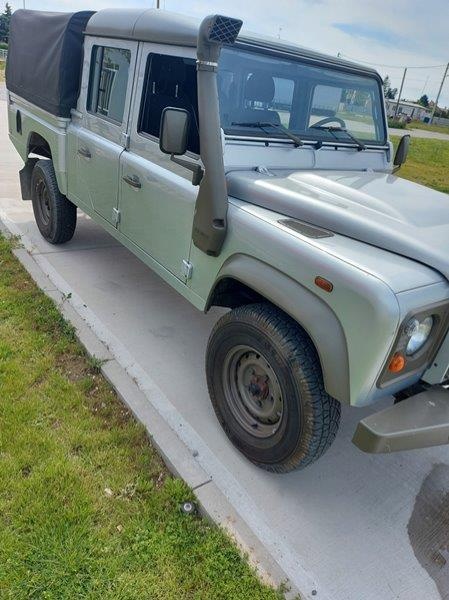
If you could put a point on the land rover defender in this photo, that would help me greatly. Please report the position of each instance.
(256, 175)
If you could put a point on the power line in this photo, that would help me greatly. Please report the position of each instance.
(391, 66)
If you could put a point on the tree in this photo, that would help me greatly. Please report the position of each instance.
(389, 92)
(424, 101)
(5, 19)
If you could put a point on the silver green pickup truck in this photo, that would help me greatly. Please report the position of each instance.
(256, 175)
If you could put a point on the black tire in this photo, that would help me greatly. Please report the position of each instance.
(55, 215)
(304, 421)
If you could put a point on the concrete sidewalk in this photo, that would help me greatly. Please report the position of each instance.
(351, 527)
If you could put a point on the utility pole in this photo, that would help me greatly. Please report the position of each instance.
(400, 93)
(439, 93)
(158, 3)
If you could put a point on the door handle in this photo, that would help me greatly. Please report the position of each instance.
(84, 152)
(133, 181)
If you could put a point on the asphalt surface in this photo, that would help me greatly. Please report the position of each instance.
(421, 133)
(351, 527)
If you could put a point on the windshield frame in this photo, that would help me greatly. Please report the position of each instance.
(315, 60)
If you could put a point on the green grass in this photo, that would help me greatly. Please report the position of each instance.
(396, 124)
(87, 508)
(426, 127)
(350, 116)
(2, 70)
(427, 163)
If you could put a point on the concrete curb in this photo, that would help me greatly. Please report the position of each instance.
(148, 405)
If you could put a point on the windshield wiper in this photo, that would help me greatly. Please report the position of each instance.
(332, 130)
(263, 125)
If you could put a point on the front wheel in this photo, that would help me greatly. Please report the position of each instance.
(54, 213)
(266, 386)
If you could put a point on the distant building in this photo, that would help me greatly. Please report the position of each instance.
(407, 110)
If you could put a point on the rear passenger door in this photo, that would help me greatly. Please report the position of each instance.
(157, 198)
(102, 123)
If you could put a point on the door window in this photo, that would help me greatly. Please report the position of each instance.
(169, 81)
(108, 82)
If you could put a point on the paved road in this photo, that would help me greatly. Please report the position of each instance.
(421, 133)
(360, 527)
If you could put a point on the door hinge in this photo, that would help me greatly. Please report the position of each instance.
(115, 216)
(187, 269)
(125, 140)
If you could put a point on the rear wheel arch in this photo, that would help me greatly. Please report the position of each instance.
(37, 148)
(245, 280)
(37, 144)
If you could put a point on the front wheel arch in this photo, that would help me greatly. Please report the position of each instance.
(247, 280)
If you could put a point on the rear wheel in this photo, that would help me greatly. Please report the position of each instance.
(266, 386)
(55, 215)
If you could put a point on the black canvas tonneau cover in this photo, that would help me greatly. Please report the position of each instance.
(44, 58)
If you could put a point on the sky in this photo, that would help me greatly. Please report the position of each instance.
(389, 35)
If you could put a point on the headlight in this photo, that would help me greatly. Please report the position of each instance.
(418, 330)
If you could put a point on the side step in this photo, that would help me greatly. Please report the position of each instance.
(418, 422)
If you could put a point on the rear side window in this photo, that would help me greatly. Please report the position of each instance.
(169, 81)
(108, 82)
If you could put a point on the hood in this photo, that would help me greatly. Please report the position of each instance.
(377, 208)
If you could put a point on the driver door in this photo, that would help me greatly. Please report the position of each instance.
(157, 198)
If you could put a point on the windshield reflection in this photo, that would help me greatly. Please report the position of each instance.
(310, 102)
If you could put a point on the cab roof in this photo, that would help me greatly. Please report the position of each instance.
(164, 27)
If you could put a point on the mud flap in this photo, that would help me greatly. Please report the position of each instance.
(25, 178)
(418, 422)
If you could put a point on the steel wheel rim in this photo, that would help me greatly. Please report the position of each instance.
(252, 391)
(43, 201)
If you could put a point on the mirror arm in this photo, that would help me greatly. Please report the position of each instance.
(196, 169)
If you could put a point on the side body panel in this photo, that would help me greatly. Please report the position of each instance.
(37, 121)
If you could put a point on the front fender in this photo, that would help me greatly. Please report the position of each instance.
(310, 311)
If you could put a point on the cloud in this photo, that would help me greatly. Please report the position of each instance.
(360, 30)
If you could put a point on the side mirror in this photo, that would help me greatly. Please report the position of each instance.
(173, 139)
(401, 152)
(173, 131)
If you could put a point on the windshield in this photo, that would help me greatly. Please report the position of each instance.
(261, 94)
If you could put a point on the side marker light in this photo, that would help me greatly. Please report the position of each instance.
(324, 284)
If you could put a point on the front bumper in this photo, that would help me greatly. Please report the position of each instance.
(418, 422)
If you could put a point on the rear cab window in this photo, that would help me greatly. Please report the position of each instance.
(108, 82)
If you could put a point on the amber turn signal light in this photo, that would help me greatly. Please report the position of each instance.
(397, 363)
(324, 284)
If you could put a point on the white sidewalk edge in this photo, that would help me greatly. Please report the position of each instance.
(220, 496)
